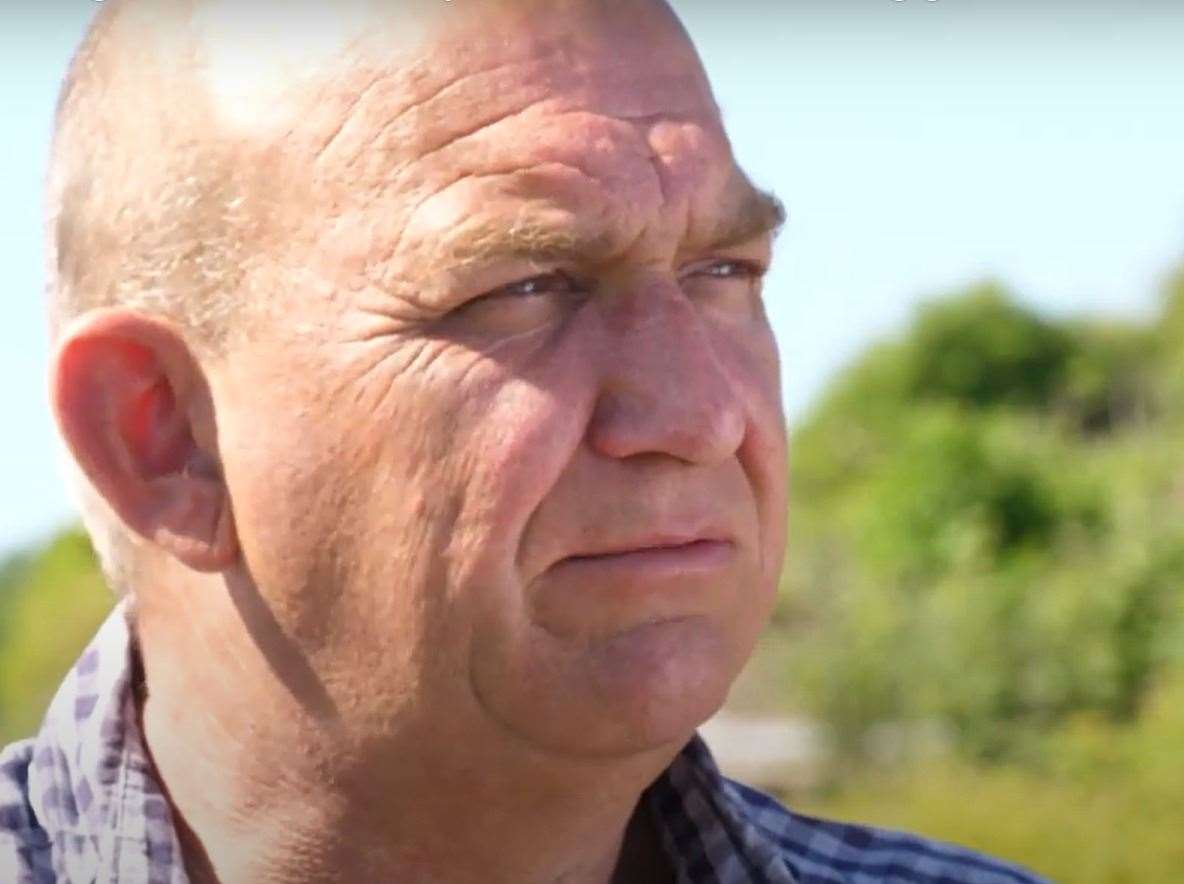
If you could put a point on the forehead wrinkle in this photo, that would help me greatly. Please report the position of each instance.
(549, 210)
(550, 73)
(372, 121)
(583, 236)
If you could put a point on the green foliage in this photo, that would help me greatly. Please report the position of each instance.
(1108, 381)
(983, 350)
(1102, 806)
(1169, 347)
(985, 530)
(51, 604)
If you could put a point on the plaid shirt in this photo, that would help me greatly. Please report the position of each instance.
(79, 803)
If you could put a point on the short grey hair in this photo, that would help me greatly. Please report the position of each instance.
(144, 207)
(144, 203)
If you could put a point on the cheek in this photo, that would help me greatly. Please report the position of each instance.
(280, 465)
(515, 438)
(295, 520)
(448, 459)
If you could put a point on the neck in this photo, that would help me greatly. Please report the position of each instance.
(266, 792)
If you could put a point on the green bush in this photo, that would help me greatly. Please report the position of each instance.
(51, 603)
(1102, 806)
(985, 530)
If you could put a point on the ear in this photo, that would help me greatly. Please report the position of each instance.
(133, 406)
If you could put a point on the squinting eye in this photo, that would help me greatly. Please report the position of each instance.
(546, 284)
(731, 270)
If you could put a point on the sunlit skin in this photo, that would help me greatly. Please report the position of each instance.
(510, 313)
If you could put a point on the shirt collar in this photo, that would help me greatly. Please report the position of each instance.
(706, 826)
(91, 782)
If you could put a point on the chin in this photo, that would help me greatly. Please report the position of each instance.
(662, 680)
(645, 689)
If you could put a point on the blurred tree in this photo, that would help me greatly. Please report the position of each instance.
(51, 604)
(1169, 341)
(1108, 380)
(978, 533)
(983, 349)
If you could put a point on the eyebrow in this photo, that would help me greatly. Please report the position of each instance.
(530, 239)
(757, 213)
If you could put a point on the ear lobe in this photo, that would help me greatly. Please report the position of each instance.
(127, 395)
(194, 521)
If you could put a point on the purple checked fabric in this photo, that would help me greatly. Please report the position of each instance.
(79, 803)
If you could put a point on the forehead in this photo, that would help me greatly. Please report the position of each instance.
(482, 78)
(583, 111)
(332, 71)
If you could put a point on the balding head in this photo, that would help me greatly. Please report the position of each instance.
(183, 123)
(155, 200)
(154, 197)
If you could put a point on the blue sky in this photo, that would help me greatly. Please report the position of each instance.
(919, 146)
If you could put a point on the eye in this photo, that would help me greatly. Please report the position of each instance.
(730, 287)
(524, 304)
(731, 269)
(555, 283)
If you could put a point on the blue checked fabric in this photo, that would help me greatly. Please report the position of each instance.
(79, 803)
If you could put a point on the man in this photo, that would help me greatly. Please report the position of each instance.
(414, 359)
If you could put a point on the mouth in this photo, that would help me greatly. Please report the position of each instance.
(658, 559)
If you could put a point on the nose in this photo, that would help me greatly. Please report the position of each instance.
(664, 389)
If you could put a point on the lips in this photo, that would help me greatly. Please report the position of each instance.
(613, 585)
(651, 543)
(650, 560)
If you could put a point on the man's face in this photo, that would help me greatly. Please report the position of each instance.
(514, 318)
